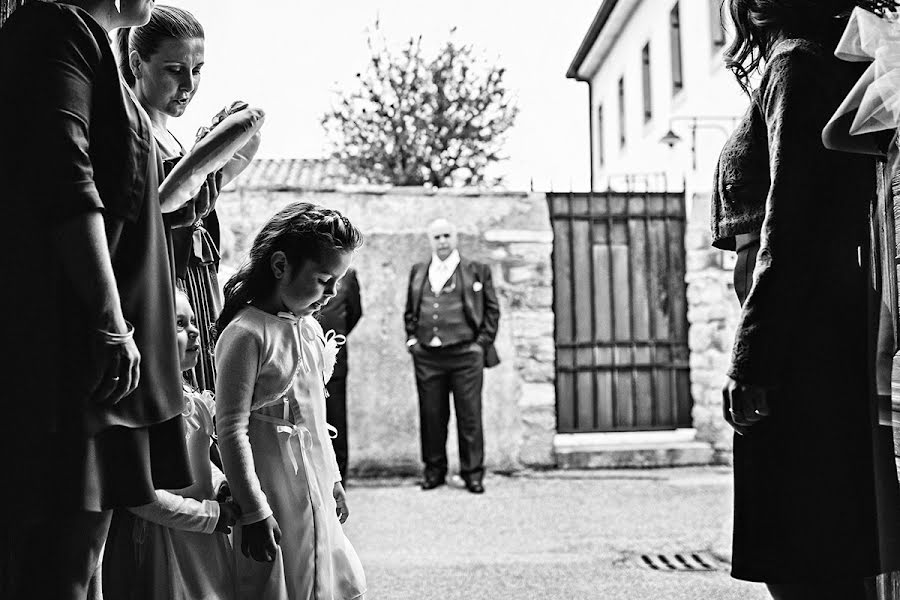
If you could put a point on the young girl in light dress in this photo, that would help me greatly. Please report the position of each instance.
(271, 360)
(177, 548)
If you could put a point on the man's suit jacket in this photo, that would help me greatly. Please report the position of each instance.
(479, 303)
(341, 314)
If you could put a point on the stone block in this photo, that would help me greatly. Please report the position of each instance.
(499, 254)
(539, 395)
(521, 274)
(697, 239)
(532, 324)
(538, 297)
(703, 336)
(699, 261)
(533, 371)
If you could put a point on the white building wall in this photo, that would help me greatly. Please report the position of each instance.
(709, 90)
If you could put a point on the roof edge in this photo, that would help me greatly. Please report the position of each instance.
(593, 33)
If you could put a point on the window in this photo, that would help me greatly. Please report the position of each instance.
(675, 38)
(645, 72)
(716, 24)
(622, 111)
(601, 158)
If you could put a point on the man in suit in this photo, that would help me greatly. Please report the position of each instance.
(341, 314)
(451, 321)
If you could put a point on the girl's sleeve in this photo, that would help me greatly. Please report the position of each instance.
(238, 354)
(177, 512)
(796, 102)
(218, 478)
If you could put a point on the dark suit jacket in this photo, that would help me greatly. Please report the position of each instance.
(341, 314)
(479, 302)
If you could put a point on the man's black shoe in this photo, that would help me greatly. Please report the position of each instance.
(432, 482)
(475, 487)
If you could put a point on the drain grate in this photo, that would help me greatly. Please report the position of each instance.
(687, 561)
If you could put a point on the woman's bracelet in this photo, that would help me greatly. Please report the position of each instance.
(117, 339)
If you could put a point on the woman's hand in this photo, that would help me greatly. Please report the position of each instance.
(260, 540)
(340, 498)
(229, 513)
(213, 186)
(118, 369)
(200, 205)
(744, 405)
(224, 492)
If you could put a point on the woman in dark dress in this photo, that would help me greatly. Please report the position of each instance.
(816, 497)
(91, 382)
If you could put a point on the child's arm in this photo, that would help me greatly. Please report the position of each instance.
(177, 512)
(218, 478)
(237, 363)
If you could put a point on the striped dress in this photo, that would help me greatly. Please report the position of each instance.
(196, 249)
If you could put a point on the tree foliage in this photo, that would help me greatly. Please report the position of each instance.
(413, 120)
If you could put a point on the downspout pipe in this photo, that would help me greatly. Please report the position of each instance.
(591, 126)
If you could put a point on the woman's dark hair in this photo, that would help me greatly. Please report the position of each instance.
(301, 230)
(166, 22)
(879, 7)
(758, 24)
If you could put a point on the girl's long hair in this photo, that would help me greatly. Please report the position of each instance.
(166, 22)
(301, 230)
(758, 24)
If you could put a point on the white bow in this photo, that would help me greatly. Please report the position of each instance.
(331, 345)
(304, 437)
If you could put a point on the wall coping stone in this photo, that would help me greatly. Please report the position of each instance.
(519, 235)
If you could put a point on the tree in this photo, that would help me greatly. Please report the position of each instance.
(416, 121)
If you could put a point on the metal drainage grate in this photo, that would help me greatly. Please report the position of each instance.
(678, 562)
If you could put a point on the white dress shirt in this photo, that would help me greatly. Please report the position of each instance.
(440, 271)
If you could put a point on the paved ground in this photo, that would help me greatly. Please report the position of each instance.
(546, 536)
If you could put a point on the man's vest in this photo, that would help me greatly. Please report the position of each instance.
(442, 318)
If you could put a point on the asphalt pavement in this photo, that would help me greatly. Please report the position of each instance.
(552, 535)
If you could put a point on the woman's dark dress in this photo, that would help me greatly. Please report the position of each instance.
(74, 141)
(816, 493)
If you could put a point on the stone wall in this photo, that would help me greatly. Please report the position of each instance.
(510, 232)
(713, 312)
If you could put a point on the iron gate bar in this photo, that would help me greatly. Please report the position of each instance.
(631, 322)
(673, 378)
(651, 316)
(595, 417)
(614, 385)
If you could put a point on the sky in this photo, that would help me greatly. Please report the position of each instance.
(291, 57)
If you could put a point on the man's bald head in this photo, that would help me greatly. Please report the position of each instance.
(442, 237)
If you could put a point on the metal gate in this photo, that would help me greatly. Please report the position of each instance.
(621, 311)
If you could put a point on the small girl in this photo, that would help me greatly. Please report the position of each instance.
(177, 547)
(271, 411)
